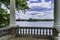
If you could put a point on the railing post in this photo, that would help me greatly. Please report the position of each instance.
(13, 31)
(28, 31)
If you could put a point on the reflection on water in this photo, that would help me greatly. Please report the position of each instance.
(35, 24)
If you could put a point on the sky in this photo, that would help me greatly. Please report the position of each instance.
(39, 9)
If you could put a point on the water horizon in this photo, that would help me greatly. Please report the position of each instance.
(35, 24)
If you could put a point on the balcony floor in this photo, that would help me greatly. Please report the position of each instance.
(10, 37)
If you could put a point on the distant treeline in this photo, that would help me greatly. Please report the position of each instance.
(35, 20)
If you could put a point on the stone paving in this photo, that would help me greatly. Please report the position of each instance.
(10, 37)
(7, 37)
(26, 38)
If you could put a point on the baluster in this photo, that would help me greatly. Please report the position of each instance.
(50, 32)
(26, 31)
(37, 31)
(40, 31)
(31, 31)
(46, 32)
(43, 31)
(34, 31)
(20, 30)
(23, 31)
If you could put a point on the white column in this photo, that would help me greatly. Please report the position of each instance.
(57, 17)
(12, 14)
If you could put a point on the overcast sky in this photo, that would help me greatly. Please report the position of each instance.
(39, 9)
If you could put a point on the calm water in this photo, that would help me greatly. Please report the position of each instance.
(35, 24)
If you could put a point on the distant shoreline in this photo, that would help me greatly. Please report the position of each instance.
(34, 20)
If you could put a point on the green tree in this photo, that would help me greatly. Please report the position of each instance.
(20, 4)
(4, 16)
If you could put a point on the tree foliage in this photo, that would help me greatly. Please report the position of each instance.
(20, 4)
(4, 17)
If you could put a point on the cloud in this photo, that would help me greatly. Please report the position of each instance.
(33, 12)
(36, 15)
(32, 0)
(41, 4)
(46, 11)
(46, 14)
(3, 6)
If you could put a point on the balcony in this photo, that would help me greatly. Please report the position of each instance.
(29, 32)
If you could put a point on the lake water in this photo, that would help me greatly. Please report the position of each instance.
(35, 24)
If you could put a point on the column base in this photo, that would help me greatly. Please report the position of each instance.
(57, 27)
(12, 25)
(57, 38)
